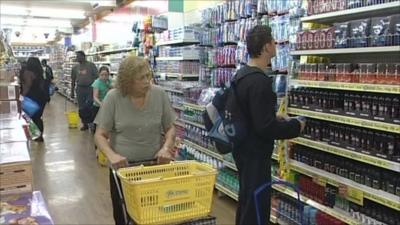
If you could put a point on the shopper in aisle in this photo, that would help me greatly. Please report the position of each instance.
(131, 121)
(48, 73)
(100, 88)
(253, 155)
(34, 86)
(83, 75)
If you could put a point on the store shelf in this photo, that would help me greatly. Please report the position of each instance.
(68, 97)
(377, 88)
(194, 124)
(172, 90)
(226, 191)
(273, 219)
(347, 120)
(105, 62)
(178, 107)
(194, 106)
(338, 214)
(357, 13)
(378, 196)
(341, 51)
(178, 58)
(204, 150)
(112, 51)
(230, 165)
(179, 76)
(275, 156)
(372, 160)
(178, 42)
(179, 123)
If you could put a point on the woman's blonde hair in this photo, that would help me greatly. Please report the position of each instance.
(129, 69)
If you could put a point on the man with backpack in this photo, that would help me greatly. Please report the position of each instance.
(256, 103)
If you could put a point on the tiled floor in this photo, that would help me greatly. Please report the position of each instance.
(75, 187)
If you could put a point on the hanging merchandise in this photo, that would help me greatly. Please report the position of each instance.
(221, 77)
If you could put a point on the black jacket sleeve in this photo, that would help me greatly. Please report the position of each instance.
(261, 108)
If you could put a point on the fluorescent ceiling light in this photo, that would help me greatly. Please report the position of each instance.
(42, 12)
(20, 21)
(124, 18)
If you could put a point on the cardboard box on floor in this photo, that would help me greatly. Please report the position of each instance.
(15, 168)
(27, 208)
(9, 91)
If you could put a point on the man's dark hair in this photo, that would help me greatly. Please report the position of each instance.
(44, 61)
(257, 38)
(82, 53)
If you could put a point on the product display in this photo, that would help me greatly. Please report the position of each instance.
(367, 141)
(367, 175)
(379, 107)
(371, 32)
(368, 73)
(28, 208)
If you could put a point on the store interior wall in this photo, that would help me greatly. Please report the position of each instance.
(192, 10)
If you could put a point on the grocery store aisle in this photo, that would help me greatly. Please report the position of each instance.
(75, 187)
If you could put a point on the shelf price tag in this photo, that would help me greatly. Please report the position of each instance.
(355, 195)
(389, 203)
(320, 180)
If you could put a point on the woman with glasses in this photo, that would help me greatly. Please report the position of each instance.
(131, 122)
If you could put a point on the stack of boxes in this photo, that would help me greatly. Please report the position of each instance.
(19, 205)
(15, 163)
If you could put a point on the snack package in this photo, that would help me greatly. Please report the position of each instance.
(317, 39)
(351, 4)
(359, 30)
(394, 30)
(379, 31)
(310, 39)
(341, 34)
(29, 208)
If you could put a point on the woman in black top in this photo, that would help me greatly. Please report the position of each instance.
(34, 86)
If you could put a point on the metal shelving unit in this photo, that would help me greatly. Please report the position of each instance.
(178, 42)
(355, 192)
(342, 51)
(372, 160)
(362, 191)
(376, 88)
(356, 13)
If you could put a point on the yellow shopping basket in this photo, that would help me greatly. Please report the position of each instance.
(73, 119)
(72, 116)
(168, 193)
(101, 158)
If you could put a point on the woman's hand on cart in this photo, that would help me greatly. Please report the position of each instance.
(118, 161)
(165, 155)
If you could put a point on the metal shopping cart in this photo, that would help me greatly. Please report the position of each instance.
(174, 193)
(269, 185)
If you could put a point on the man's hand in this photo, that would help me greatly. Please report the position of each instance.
(302, 124)
(282, 117)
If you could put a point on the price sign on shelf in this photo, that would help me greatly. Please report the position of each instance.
(355, 195)
(320, 180)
